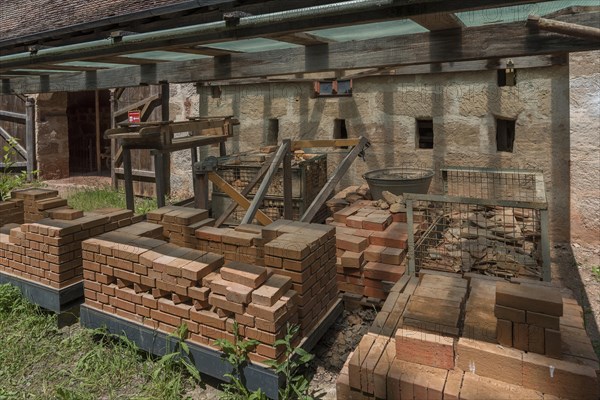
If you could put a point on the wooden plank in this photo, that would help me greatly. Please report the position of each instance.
(129, 199)
(565, 28)
(136, 105)
(7, 136)
(247, 189)
(333, 180)
(237, 197)
(306, 144)
(438, 21)
(301, 38)
(287, 186)
(205, 51)
(138, 175)
(98, 132)
(12, 116)
(510, 40)
(266, 182)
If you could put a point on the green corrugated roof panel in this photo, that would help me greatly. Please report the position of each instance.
(92, 64)
(164, 56)
(517, 13)
(370, 31)
(252, 45)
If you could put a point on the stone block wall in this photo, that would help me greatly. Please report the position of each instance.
(52, 136)
(463, 107)
(584, 84)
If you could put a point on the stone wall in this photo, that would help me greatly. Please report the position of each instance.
(463, 107)
(52, 136)
(585, 147)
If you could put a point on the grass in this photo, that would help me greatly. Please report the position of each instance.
(39, 361)
(91, 199)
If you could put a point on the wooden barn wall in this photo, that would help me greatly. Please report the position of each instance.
(13, 103)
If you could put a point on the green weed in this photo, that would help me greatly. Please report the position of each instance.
(596, 273)
(8, 179)
(39, 361)
(92, 199)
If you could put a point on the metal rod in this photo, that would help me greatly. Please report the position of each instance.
(411, 237)
(264, 185)
(159, 178)
(30, 136)
(164, 110)
(113, 142)
(333, 180)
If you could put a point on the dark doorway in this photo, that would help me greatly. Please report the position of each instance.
(81, 114)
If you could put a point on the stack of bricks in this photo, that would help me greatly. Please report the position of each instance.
(306, 254)
(11, 212)
(262, 304)
(244, 243)
(49, 250)
(436, 305)
(180, 224)
(371, 249)
(162, 286)
(420, 364)
(529, 318)
(38, 202)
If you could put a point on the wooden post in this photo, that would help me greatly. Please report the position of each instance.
(128, 179)
(98, 133)
(166, 157)
(201, 190)
(287, 185)
(113, 142)
(194, 155)
(30, 136)
(159, 178)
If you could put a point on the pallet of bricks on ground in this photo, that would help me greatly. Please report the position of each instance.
(180, 224)
(371, 249)
(162, 286)
(418, 362)
(303, 252)
(49, 251)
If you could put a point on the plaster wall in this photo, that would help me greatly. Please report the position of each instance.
(584, 82)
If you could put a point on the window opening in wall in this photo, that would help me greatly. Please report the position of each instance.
(344, 87)
(273, 132)
(215, 92)
(339, 130)
(425, 134)
(333, 88)
(505, 135)
(508, 76)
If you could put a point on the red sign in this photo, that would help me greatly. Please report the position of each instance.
(134, 116)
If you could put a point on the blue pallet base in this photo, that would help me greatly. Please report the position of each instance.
(208, 361)
(56, 300)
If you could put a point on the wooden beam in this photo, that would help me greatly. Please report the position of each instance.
(125, 60)
(204, 51)
(301, 38)
(12, 117)
(30, 137)
(385, 10)
(98, 132)
(438, 21)
(259, 196)
(509, 40)
(565, 28)
(310, 144)
(137, 175)
(245, 191)
(136, 105)
(237, 197)
(7, 136)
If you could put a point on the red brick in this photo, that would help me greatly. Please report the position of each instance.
(520, 336)
(543, 320)
(383, 272)
(544, 300)
(272, 290)
(221, 302)
(504, 332)
(169, 319)
(351, 243)
(244, 274)
(490, 360)
(425, 348)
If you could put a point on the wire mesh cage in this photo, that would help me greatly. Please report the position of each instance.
(491, 237)
(498, 184)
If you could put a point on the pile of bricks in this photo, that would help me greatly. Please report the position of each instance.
(529, 320)
(180, 224)
(371, 249)
(49, 250)
(244, 243)
(37, 202)
(162, 286)
(413, 363)
(11, 212)
(306, 254)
